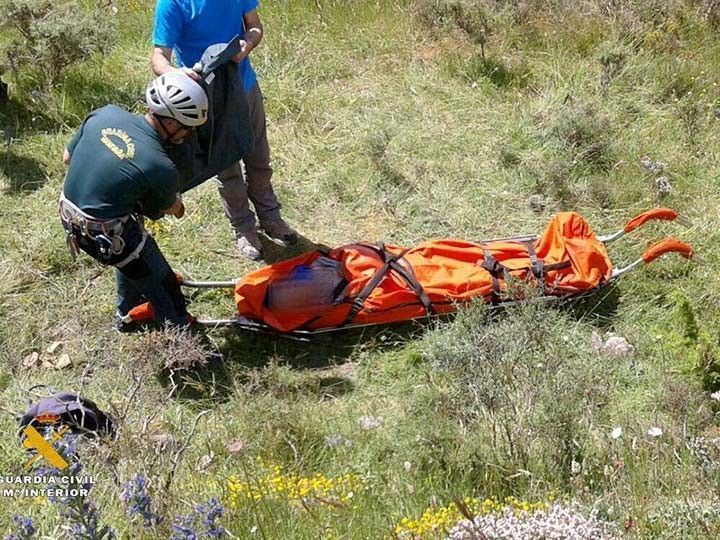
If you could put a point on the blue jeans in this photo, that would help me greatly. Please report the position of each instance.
(145, 278)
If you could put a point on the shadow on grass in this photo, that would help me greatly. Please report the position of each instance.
(598, 308)
(210, 383)
(319, 351)
(242, 352)
(494, 70)
(23, 174)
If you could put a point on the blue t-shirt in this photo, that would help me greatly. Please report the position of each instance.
(191, 26)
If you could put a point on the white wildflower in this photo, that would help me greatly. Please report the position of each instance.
(575, 467)
(715, 395)
(407, 466)
(613, 347)
(333, 441)
(663, 186)
(653, 167)
(371, 422)
(654, 432)
(616, 433)
(557, 522)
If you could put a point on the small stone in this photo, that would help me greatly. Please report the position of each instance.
(654, 167)
(54, 347)
(613, 347)
(31, 360)
(333, 441)
(64, 361)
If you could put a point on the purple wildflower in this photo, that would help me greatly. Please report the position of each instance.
(138, 501)
(201, 523)
(24, 528)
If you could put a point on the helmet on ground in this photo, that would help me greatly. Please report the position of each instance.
(175, 95)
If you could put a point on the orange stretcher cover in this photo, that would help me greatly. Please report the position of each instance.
(449, 272)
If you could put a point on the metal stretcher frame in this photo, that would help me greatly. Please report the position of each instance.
(667, 245)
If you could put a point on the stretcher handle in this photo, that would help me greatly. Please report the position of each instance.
(667, 245)
(660, 214)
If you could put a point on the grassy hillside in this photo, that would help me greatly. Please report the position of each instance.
(400, 120)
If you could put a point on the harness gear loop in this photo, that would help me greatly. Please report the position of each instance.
(105, 233)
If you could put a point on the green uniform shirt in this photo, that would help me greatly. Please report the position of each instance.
(118, 165)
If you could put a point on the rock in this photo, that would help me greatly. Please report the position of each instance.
(63, 362)
(163, 441)
(31, 360)
(371, 422)
(54, 347)
(653, 167)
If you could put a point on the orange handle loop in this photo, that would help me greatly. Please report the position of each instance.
(667, 245)
(663, 214)
(142, 313)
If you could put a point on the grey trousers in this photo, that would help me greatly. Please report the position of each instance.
(236, 188)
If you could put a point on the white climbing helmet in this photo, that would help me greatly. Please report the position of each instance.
(175, 95)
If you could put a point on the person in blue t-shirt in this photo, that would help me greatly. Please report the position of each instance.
(188, 27)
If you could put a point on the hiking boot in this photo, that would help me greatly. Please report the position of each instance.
(248, 245)
(277, 229)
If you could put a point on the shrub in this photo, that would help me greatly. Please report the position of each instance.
(469, 16)
(50, 36)
(586, 134)
(524, 382)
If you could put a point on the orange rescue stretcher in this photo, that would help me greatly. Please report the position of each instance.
(371, 284)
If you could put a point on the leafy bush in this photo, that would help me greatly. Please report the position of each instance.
(50, 36)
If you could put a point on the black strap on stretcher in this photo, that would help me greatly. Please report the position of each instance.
(391, 263)
(498, 271)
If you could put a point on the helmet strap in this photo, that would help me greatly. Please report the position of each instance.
(168, 136)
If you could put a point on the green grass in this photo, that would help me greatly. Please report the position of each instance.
(385, 127)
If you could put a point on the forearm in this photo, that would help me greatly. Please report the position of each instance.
(253, 36)
(160, 62)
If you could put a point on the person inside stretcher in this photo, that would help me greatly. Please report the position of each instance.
(308, 286)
